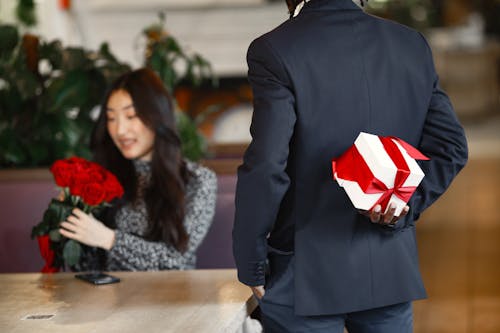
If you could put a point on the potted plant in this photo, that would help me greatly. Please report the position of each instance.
(48, 97)
(176, 68)
(49, 94)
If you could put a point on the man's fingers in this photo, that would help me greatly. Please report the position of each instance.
(388, 218)
(389, 215)
(404, 212)
(375, 214)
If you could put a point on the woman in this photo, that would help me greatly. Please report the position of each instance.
(168, 203)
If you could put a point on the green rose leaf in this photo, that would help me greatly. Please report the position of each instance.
(55, 235)
(57, 212)
(40, 229)
(72, 252)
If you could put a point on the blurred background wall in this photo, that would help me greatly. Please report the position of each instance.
(464, 36)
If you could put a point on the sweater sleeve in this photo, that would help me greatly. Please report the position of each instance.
(135, 253)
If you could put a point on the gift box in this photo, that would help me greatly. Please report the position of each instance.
(379, 171)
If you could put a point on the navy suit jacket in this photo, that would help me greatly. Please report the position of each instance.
(318, 80)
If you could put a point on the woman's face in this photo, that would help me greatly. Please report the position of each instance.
(130, 135)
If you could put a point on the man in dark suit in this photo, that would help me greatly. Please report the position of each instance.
(318, 80)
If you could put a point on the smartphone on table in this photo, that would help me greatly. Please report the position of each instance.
(97, 278)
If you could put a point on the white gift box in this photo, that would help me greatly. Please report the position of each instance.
(377, 160)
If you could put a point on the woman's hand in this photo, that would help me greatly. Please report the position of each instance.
(85, 229)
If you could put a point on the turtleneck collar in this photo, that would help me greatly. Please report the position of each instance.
(142, 168)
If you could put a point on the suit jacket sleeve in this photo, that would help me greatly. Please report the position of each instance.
(443, 140)
(262, 178)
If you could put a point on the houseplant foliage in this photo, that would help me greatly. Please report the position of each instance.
(50, 94)
(25, 12)
(47, 96)
(164, 55)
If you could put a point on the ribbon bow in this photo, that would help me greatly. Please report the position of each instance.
(352, 166)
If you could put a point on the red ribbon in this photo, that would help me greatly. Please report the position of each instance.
(47, 254)
(352, 166)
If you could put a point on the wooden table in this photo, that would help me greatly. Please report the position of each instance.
(168, 301)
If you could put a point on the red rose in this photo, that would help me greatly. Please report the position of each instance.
(68, 171)
(113, 187)
(63, 173)
(88, 180)
(77, 189)
(82, 176)
(93, 194)
(98, 173)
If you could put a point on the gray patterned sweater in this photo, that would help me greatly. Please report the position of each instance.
(131, 252)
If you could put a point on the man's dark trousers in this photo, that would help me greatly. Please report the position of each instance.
(278, 309)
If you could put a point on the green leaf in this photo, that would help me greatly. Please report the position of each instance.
(53, 52)
(95, 94)
(10, 103)
(12, 151)
(10, 38)
(57, 212)
(55, 235)
(172, 45)
(169, 76)
(69, 91)
(72, 252)
(38, 152)
(105, 53)
(75, 58)
(193, 144)
(40, 229)
(26, 83)
(25, 12)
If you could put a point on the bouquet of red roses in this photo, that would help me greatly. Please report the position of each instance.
(85, 185)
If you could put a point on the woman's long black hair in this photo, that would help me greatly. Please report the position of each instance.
(164, 196)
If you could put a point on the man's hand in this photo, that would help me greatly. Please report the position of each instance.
(387, 219)
(258, 291)
(86, 229)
